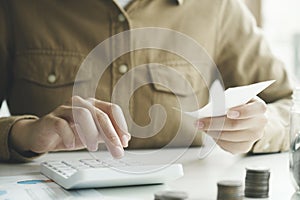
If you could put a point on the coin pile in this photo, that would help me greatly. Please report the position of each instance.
(257, 182)
(230, 190)
(170, 195)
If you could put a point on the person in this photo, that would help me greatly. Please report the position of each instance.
(43, 43)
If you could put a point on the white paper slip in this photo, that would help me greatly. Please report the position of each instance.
(233, 97)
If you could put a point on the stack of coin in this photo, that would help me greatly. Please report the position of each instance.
(230, 190)
(170, 195)
(257, 182)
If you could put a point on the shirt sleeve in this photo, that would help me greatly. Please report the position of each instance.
(243, 57)
(4, 43)
(6, 153)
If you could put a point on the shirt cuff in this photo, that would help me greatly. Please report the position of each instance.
(276, 134)
(8, 154)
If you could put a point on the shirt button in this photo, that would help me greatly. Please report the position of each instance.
(121, 18)
(52, 78)
(123, 69)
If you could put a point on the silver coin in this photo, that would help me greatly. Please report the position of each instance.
(170, 195)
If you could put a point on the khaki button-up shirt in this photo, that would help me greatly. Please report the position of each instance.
(43, 44)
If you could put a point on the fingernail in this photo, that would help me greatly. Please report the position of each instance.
(233, 114)
(125, 139)
(93, 147)
(117, 152)
(199, 124)
(70, 146)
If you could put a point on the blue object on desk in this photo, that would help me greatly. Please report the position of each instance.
(2, 192)
(31, 182)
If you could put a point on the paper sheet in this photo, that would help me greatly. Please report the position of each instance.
(232, 97)
(35, 187)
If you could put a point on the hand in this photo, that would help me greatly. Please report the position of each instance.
(240, 129)
(78, 124)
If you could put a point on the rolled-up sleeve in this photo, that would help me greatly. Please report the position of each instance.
(243, 57)
(6, 152)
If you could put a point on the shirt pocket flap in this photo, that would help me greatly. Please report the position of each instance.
(50, 71)
(179, 78)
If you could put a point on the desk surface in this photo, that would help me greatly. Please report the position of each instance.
(201, 175)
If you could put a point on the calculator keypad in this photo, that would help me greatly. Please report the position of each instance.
(68, 168)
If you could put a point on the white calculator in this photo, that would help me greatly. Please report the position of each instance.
(95, 173)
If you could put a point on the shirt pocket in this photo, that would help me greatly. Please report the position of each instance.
(44, 81)
(180, 79)
(49, 70)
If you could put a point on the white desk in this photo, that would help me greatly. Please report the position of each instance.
(200, 176)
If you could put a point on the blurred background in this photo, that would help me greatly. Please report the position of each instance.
(279, 19)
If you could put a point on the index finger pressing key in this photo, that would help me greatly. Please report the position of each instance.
(117, 118)
(109, 134)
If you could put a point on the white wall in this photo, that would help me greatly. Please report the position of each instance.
(4, 110)
(281, 21)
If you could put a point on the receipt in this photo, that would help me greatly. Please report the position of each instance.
(232, 97)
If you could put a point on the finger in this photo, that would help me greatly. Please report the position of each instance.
(104, 127)
(110, 136)
(236, 136)
(249, 110)
(78, 142)
(86, 129)
(117, 118)
(63, 130)
(225, 124)
(235, 147)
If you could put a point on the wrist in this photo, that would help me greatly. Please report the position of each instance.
(19, 138)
